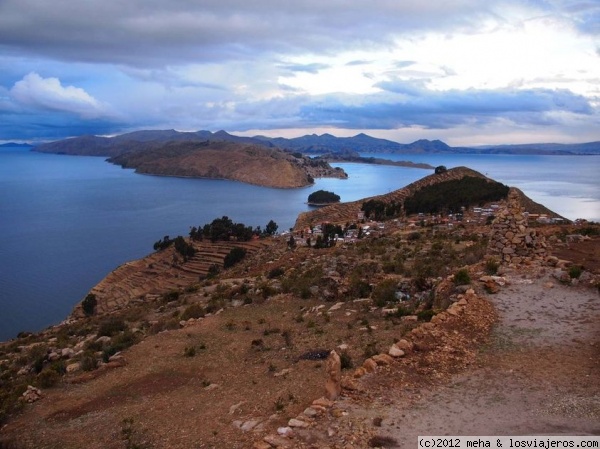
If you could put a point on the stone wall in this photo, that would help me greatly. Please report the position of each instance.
(511, 241)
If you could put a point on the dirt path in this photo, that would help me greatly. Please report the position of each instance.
(540, 374)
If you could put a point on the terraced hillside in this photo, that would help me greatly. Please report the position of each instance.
(161, 272)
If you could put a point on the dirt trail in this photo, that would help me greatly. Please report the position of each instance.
(540, 374)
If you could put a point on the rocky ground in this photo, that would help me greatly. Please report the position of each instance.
(539, 374)
(520, 361)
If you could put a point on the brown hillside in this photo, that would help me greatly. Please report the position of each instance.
(248, 163)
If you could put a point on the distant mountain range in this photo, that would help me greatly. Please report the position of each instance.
(308, 144)
(13, 145)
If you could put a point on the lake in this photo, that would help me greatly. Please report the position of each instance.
(67, 221)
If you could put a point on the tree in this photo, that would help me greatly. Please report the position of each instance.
(440, 169)
(271, 228)
(291, 242)
(234, 256)
(89, 304)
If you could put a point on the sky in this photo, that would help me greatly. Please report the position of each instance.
(468, 72)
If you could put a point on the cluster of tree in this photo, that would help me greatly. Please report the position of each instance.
(224, 229)
(450, 196)
(184, 248)
(381, 210)
(323, 197)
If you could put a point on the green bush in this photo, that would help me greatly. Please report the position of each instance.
(89, 304)
(575, 271)
(461, 277)
(234, 256)
(119, 343)
(491, 266)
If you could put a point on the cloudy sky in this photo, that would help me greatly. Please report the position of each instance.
(468, 72)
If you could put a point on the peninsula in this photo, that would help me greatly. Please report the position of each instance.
(214, 156)
(252, 164)
(353, 156)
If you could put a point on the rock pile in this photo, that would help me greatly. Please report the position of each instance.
(511, 240)
(32, 394)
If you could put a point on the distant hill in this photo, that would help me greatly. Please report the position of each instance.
(113, 146)
(362, 143)
(541, 148)
(308, 144)
(15, 145)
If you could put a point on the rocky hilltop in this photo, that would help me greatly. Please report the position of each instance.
(348, 212)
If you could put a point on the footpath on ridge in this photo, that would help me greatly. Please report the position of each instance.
(539, 374)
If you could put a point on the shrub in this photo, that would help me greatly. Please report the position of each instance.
(440, 169)
(346, 360)
(575, 271)
(111, 326)
(189, 352)
(88, 362)
(461, 277)
(275, 273)
(384, 292)
(413, 236)
(213, 270)
(371, 350)
(171, 296)
(193, 311)
(120, 342)
(89, 304)
(48, 378)
(234, 256)
(491, 266)
(425, 315)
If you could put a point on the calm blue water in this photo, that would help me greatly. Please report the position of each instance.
(66, 221)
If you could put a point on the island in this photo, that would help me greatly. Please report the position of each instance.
(322, 198)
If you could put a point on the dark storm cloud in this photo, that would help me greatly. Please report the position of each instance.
(447, 109)
(158, 32)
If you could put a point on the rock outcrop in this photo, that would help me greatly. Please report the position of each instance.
(511, 241)
(333, 386)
